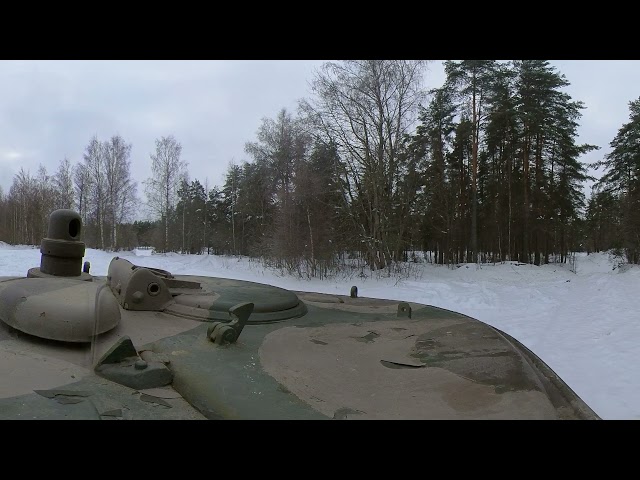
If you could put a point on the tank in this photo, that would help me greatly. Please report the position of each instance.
(142, 343)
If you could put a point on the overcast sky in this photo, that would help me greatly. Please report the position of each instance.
(51, 109)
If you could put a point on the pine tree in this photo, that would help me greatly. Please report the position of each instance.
(474, 82)
(622, 180)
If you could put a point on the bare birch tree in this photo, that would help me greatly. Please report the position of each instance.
(120, 189)
(97, 197)
(63, 183)
(30, 199)
(45, 197)
(167, 169)
(81, 184)
(366, 107)
(20, 194)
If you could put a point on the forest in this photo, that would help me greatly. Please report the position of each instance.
(371, 170)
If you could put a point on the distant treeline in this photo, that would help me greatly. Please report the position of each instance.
(372, 167)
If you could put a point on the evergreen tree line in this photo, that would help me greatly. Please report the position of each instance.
(613, 211)
(371, 170)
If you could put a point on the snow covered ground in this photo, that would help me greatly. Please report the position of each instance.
(584, 325)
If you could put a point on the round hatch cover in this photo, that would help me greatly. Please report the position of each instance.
(218, 295)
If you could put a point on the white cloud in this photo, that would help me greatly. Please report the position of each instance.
(10, 155)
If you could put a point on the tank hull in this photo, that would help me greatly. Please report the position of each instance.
(341, 358)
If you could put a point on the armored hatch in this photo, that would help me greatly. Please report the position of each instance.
(143, 343)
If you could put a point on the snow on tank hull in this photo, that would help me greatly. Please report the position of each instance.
(187, 347)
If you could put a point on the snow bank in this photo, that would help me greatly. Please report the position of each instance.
(142, 252)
